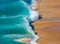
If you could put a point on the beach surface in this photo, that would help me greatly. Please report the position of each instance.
(48, 28)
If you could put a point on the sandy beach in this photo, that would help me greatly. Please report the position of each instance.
(48, 28)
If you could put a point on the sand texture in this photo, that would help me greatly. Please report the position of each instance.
(48, 27)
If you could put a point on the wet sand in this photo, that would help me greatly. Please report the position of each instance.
(48, 27)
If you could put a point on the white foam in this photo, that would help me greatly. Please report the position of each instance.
(34, 15)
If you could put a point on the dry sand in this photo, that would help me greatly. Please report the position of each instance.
(48, 27)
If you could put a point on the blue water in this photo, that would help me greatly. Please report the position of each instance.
(29, 2)
(14, 21)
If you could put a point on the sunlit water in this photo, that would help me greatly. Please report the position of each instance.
(15, 16)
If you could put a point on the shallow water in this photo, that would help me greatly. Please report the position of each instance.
(14, 22)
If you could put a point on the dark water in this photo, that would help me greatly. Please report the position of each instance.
(28, 1)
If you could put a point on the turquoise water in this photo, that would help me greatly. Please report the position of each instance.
(29, 2)
(14, 22)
